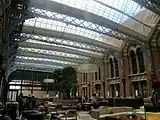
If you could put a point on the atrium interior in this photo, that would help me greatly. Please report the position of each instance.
(91, 51)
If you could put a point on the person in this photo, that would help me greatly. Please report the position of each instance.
(33, 102)
(86, 98)
(20, 101)
(154, 98)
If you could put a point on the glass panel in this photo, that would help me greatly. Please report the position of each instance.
(127, 6)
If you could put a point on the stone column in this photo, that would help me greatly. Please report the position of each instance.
(102, 89)
(114, 68)
(121, 74)
(156, 62)
(91, 89)
(106, 75)
(148, 71)
(133, 90)
(128, 87)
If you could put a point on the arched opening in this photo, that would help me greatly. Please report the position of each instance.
(116, 67)
(141, 60)
(133, 62)
(111, 67)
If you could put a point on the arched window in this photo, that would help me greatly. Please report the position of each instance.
(140, 60)
(133, 62)
(111, 67)
(116, 67)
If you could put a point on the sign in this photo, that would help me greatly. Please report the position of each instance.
(48, 80)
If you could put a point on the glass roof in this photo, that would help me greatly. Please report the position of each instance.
(128, 6)
(62, 27)
(118, 11)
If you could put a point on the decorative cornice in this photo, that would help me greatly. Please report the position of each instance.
(140, 77)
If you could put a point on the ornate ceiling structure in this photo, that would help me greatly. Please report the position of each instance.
(52, 34)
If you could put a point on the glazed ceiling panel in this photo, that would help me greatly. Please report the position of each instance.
(67, 32)
(71, 36)
(90, 16)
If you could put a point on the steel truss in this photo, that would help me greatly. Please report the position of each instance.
(117, 30)
(63, 42)
(47, 56)
(20, 66)
(60, 49)
(153, 5)
(42, 61)
(67, 36)
(155, 2)
(80, 23)
(50, 52)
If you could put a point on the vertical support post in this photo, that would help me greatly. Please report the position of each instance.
(21, 86)
(32, 85)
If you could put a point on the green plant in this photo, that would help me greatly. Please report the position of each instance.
(65, 81)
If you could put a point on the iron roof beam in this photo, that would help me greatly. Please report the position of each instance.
(90, 17)
(69, 36)
(63, 42)
(120, 11)
(157, 2)
(50, 52)
(149, 4)
(53, 57)
(50, 63)
(82, 24)
(33, 68)
(58, 48)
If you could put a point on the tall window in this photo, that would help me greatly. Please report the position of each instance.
(141, 60)
(85, 77)
(111, 67)
(96, 77)
(116, 67)
(99, 73)
(133, 62)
